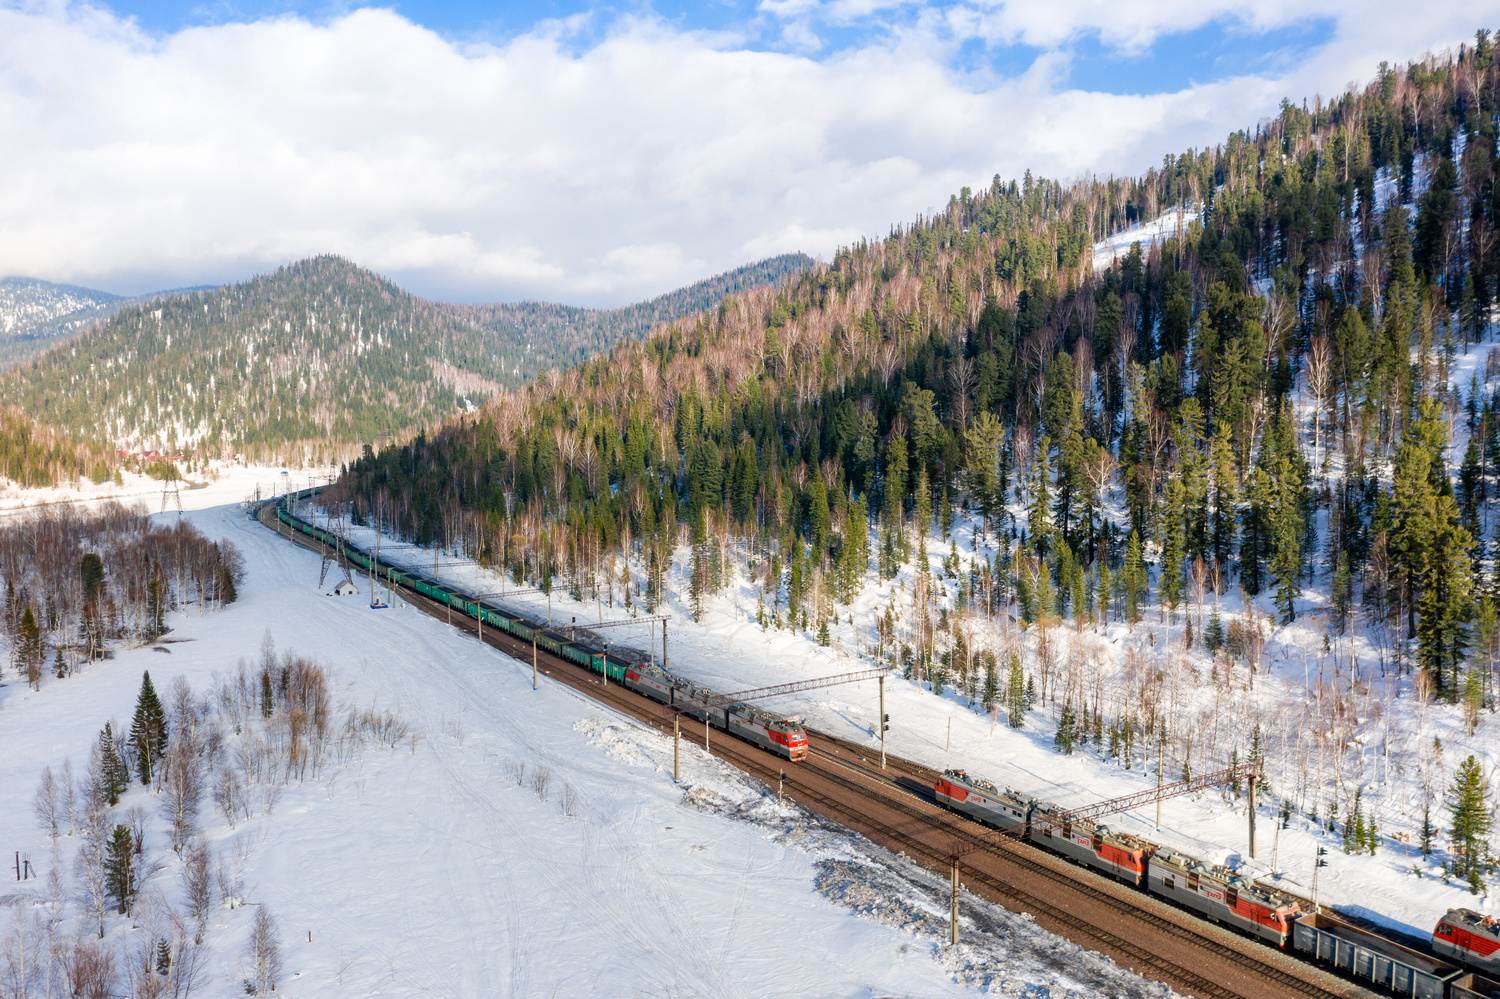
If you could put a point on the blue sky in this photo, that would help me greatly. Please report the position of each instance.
(1222, 48)
(598, 155)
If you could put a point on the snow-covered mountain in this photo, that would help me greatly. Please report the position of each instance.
(32, 308)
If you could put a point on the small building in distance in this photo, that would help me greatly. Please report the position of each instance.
(345, 589)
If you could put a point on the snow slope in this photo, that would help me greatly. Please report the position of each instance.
(427, 868)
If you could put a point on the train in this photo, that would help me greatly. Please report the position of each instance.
(1467, 938)
(1219, 895)
(784, 737)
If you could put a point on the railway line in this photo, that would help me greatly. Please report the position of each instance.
(895, 808)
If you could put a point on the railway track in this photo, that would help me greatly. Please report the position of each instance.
(840, 783)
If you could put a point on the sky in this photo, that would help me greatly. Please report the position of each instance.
(602, 154)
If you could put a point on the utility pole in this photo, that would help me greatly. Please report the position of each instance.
(604, 676)
(664, 645)
(705, 733)
(1252, 815)
(1161, 751)
(676, 746)
(949, 747)
(780, 782)
(533, 660)
(884, 722)
(953, 905)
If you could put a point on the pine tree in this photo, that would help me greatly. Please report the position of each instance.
(1468, 804)
(29, 652)
(922, 518)
(120, 869)
(1064, 737)
(1169, 582)
(1223, 495)
(991, 695)
(59, 665)
(1257, 760)
(116, 775)
(148, 730)
(1213, 634)
(1286, 526)
(1446, 578)
(1039, 514)
(156, 609)
(267, 695)
(1342, 592)
(1015, 694)
(1134, 579)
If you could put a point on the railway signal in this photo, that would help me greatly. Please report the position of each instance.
(1318, 862)
(885, 723)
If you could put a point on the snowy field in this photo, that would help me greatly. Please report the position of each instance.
(443, 866)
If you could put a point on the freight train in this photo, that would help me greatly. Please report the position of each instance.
(1220, 895)
(781, 736)
(1211, 891)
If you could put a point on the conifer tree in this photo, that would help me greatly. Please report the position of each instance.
(29, 651)
(1286, 521)
(1039, 513)
(116, 776)
(1169, 583)
(1064, 737)
(120, 869)
(148, 730)
(991, 695)
(1016, 701)
(1223, 495)
(1446, 578)
(893, 492)
(1134, 579)
(1469, 807)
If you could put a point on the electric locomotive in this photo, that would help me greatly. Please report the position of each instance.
(1222, 896)
(1470, 937)
(769, 732)
(980, 799)
(1117, 854)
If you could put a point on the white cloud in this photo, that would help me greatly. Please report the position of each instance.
(534, 168)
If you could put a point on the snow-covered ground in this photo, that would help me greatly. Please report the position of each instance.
(728, 650)
(428, 868)
(1173, 222)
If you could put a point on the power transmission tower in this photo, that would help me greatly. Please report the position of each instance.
(169, 487)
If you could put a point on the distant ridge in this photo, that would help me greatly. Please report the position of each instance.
(551, 335)
(310, 361)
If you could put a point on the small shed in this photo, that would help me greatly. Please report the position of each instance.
(345, 589)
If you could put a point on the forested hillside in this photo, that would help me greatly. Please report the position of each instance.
(1269, 404)
(33, 454)
(549, 335)
(312, 360)
(294, 363)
